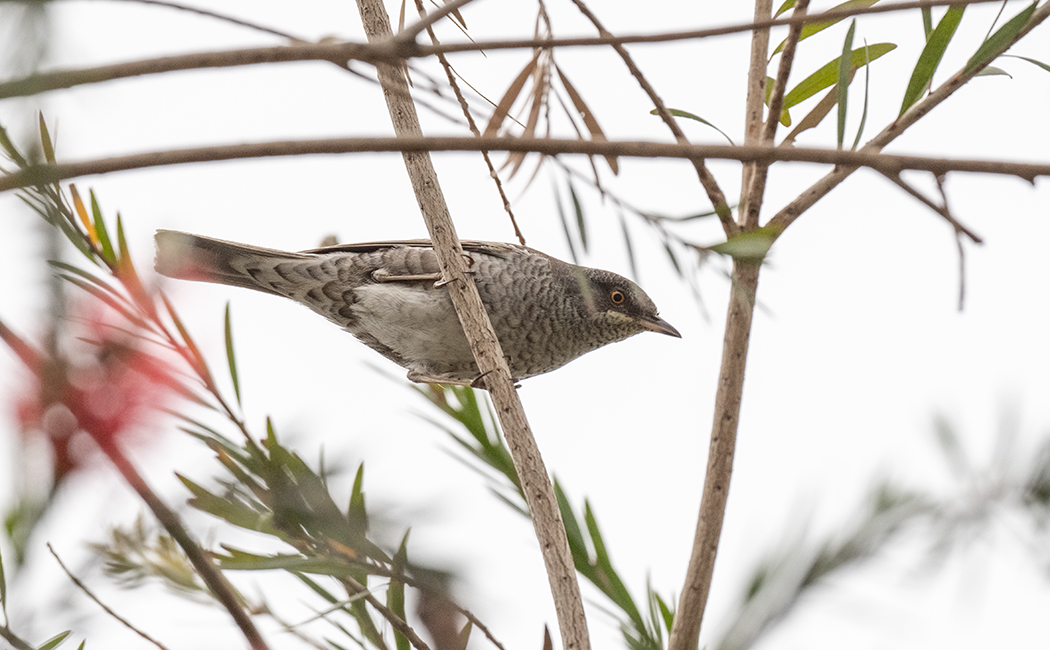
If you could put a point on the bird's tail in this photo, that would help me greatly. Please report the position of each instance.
(192, 257)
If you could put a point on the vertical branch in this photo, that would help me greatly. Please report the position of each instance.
(539, 494)
(756, 95)
(685, 633)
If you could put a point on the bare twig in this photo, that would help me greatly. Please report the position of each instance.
(340, 53)
(101, 604)
(37, 174)
(16, 641)
(395, 621)
(550, 530)
(493, 174)
(942, 209)
(427, 20)
(686, 629)
(707, 180)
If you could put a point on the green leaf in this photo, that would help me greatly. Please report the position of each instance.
(565, 225)
(809, 29)
(691, 116)
(47, 145)
(931, 56)
(230, 356)
(3, 587)
(828, 74)
(751, 246)
(573, 531)
(629, 246)
(1032, 61)
(992, 71)
(100, 230)
(613, 587)
(196, 358)
(844, 80)
(1000, 39)
(788, 4)
(395, 592)
(580, 223)
(864, 112)
(54, 641)
(927, 22)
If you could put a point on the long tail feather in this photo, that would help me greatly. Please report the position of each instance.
(184, 256)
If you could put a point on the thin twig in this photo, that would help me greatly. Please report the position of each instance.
(395, 621)
(16, 641)
(867, 157)
(341, 53)
(942, 210)
(756, 96)
(427, 20)
(493, 174)
(757, 188)
(223, 17)
(492, 365)
(101, 604)
(220, 588)
(707, 180)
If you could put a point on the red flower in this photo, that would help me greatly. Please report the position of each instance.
(106, 387)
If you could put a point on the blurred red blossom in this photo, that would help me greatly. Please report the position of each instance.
(101, 383)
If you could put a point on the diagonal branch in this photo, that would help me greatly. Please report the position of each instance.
(550, 530)
(707, 180)
(787, 215)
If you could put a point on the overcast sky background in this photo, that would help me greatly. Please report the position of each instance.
(857, 341)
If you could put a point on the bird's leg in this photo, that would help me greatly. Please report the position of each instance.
(470, 269)
(382, 275)
(423, 378)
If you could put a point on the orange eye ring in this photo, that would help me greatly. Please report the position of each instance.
(617, 297)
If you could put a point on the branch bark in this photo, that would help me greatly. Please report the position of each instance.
(539, 494)
(341, 53)
(881, 162)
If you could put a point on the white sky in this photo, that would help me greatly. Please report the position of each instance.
(857, 343)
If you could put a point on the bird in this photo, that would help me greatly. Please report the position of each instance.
(390, 296)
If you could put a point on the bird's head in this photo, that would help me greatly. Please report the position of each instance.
(618, 306)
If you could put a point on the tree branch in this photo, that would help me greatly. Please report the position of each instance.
(340, 53)
(539, 494)
(881, 162)
(787, 215)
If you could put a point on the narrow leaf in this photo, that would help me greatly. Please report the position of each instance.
(927, 22)
(46, 144)
(809, 29)
(395, 592)
(78, 207)
(864, 112)
(1032, 61)
(509, 97)
(565, 225)
(56, 640)
(588, 117)
(992, 71)
(1001, 38)
(3, 586)
(630, 247)
(108, 253)
(580, 222)
(844, 80)
(931, 56)
(691, 116)
(828, 74)
(788, 4)
(230, 356)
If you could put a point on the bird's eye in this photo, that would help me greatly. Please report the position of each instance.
(617, 297)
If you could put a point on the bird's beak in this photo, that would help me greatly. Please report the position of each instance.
(658, 324)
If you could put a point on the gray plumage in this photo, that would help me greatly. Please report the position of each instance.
(545, 312)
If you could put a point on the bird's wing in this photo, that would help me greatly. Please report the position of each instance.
(495, 249)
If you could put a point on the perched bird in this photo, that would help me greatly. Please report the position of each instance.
(389, 295)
